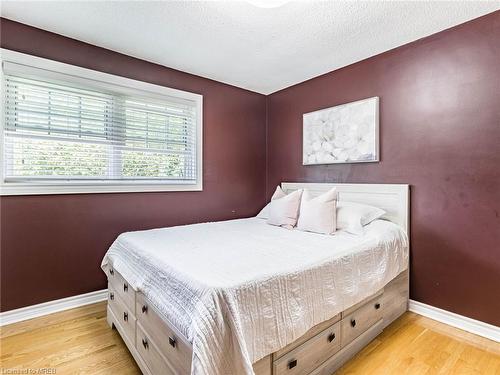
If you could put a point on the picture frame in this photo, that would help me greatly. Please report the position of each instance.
(346, 133)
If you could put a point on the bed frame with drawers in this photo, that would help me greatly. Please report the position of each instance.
(159, 349)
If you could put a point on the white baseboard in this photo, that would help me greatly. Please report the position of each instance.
(477, 327)
(30, 312)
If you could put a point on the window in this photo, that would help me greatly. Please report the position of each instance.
(71, 133)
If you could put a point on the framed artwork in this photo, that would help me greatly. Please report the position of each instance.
(347, 133)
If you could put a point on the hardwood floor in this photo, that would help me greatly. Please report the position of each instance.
(79, 341)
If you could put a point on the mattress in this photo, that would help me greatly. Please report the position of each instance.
(239, 290)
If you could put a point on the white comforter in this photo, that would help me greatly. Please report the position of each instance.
(242, 289)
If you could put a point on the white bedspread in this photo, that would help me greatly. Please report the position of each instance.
(242, 289)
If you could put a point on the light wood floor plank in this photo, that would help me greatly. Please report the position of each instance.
(79, 341)
(50, 321)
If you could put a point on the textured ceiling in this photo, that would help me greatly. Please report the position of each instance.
(260, 49)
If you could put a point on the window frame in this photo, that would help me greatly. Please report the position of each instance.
(54, 69)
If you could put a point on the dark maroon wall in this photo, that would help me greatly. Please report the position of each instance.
(52, 246)
(440, 132)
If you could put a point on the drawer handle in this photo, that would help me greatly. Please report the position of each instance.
(145, 343)
(353, 322)
(172, 341)
(377, 306)
(292, 364)
(111, 272)
(331, 337)
(125, 316)
(125, 287)
(144, 309)
(111, 296)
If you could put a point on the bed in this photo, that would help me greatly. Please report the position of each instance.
(244, 297)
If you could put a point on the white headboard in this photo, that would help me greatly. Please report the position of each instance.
(393, 198)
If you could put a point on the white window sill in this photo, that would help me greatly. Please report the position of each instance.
(93, 188)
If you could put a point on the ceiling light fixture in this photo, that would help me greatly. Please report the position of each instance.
(268, 3)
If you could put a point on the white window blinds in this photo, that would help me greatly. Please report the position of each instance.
(57, 130)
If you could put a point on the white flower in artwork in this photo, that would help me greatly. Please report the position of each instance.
(329, 158)
(350, 143)
(327, 147)
(354, 155)
(346, 133)
(343, 155)
(316, 146)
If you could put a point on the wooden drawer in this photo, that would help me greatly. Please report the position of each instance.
(121, 288)
(395, 299)
(123, 317)
(358, 321)
(362, 303)
(308, 335)
(150, 354)
(347, 352)
(263, 366)
(305, 358)
(171, 343)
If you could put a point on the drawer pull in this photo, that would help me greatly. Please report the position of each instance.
(111, 272)
(353, 322)
(125, 287)
(111, 296)
(172, 341)
(125, 316)
(377, 306)
(144, 309)
(145, 343)
(292, 364)
(331, 337)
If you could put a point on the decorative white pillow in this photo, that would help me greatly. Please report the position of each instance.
(317, 214)
(284, 211)
(264, 213)
(352, 216)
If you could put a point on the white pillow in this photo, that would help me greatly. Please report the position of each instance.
(317, 214)
(353, 216)
(284, 211)
(264, 213)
